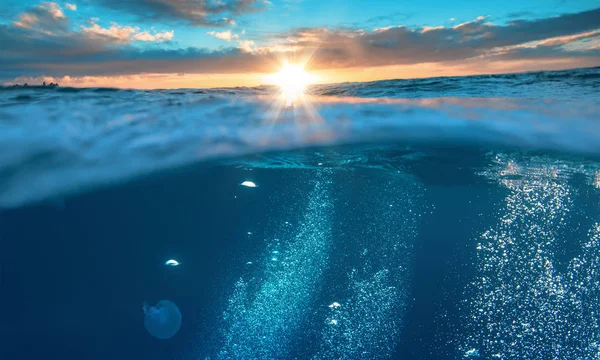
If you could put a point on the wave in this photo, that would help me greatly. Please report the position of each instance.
(574, 84)
(578, 84)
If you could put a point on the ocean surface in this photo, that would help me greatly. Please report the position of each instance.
(442, 218)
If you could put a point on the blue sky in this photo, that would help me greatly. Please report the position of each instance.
(241, 31)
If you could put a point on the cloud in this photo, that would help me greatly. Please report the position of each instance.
(40, 40)
(195, 13)
(563, 40)
(224, 35)
(107, 52)
(430, 28)
(116, 33)
(155, 37)
(47, 18)
(400, 45)
(478, 44)
(247, 46)
(71, 7)
(125, 34)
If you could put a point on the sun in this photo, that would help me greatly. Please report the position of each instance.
(292, 81)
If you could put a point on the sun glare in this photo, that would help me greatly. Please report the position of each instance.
(292, 81)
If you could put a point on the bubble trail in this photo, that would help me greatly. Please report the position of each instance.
(521, 306)
(263, 324)
(366, 322)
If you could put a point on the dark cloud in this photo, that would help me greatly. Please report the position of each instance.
(192, 12)
(130, 60)
(42, 32)
(402, 45)
(553, 52)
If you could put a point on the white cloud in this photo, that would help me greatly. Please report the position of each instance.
(72, 7)
(54, 9)
(429, 28)
(116, 32)
(382, 29)
(126, 34)
(224, 35)
(247, 46)
(452, 19)
(156, 37)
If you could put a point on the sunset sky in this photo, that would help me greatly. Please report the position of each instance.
(213, 43)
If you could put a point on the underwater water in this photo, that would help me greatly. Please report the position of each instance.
(450, 218)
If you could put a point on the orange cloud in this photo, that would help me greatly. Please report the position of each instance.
(562, 40)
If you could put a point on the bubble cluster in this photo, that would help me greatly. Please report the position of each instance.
(262, 323)
(267, 314)
(522, 305)
(366, 325)
(366, 322)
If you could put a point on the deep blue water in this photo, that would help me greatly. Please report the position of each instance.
(464, 227)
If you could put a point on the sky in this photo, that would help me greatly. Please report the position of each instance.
(223, 43)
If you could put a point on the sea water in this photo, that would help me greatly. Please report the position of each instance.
(448, 218)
